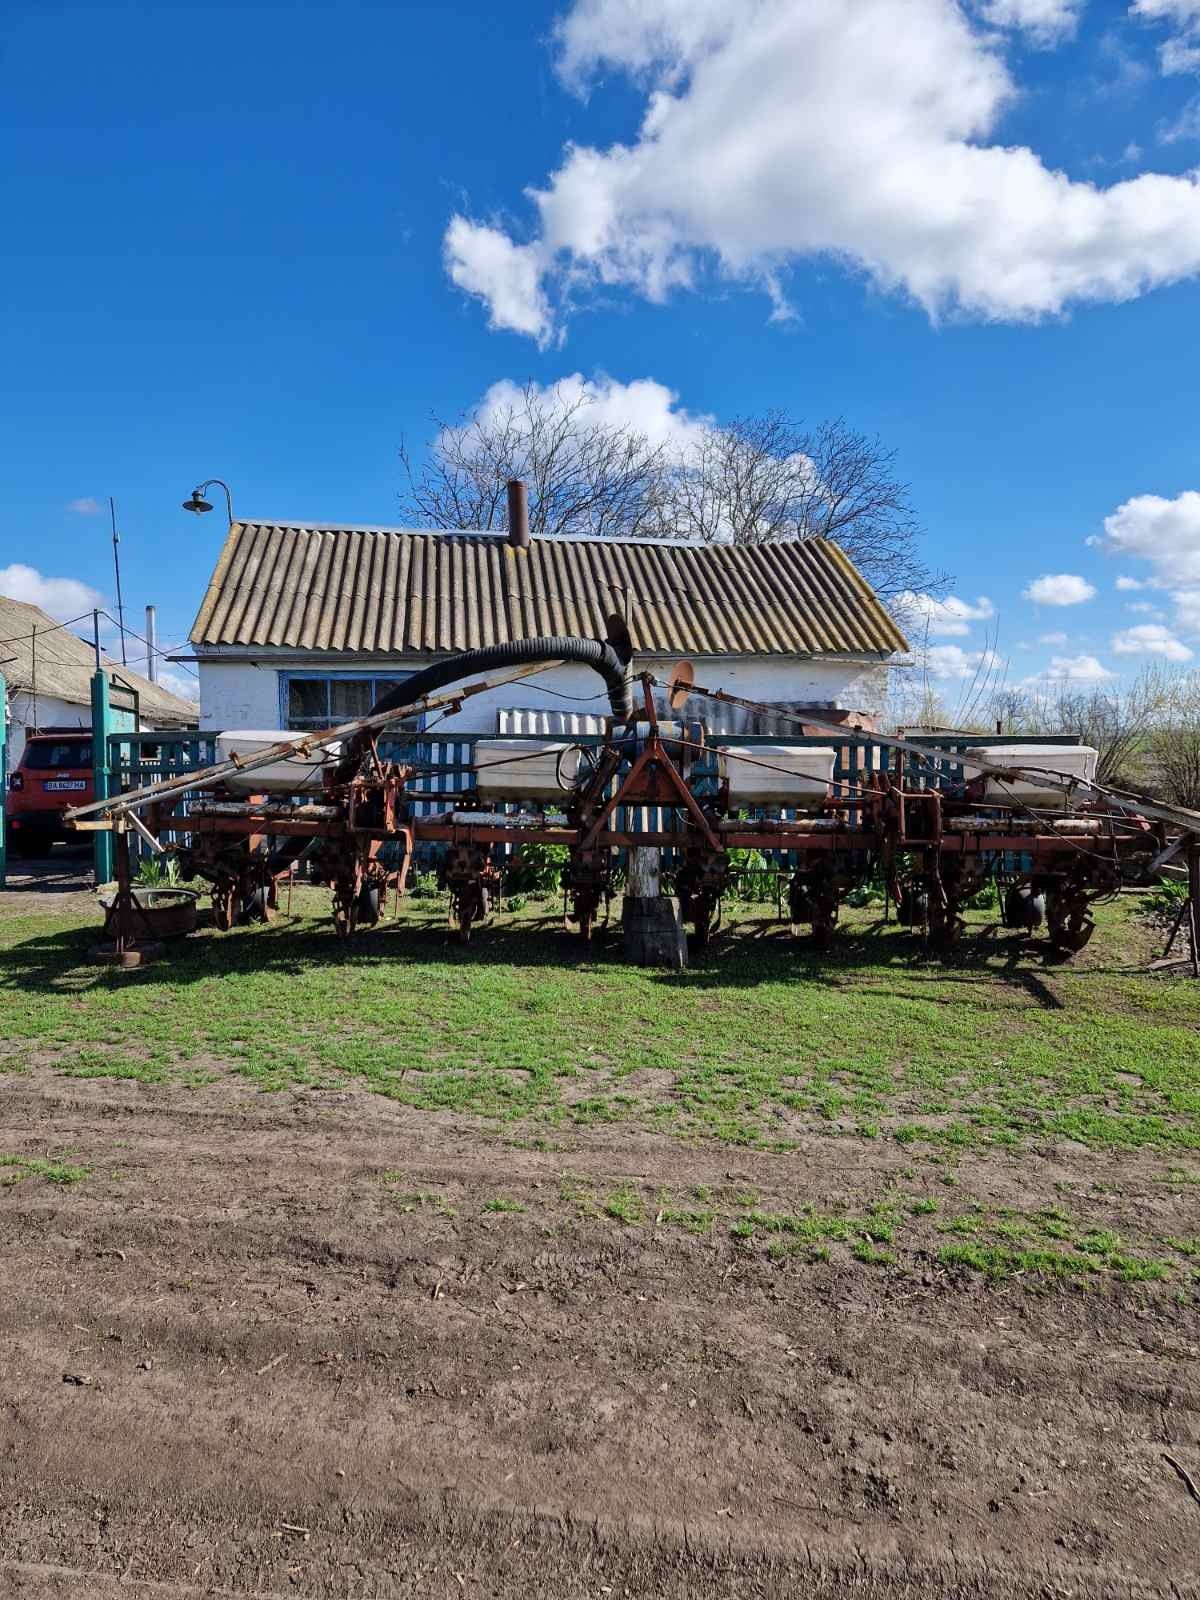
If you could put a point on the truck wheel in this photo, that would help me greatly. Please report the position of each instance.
(30, 845)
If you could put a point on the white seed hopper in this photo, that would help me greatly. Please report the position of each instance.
(524, 769)
(288, 775)
(1029, 763)
(797, 778)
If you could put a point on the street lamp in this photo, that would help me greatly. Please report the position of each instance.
(198, 503)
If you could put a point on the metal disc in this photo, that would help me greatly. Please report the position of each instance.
(679, 684)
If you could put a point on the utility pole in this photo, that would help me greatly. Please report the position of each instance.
(112, 511)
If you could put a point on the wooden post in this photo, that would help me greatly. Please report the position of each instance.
(645, 868)
(654, 934)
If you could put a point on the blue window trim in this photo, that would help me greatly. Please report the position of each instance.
(316, 674)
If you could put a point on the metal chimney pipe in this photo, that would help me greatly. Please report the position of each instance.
(518, 514)
(152, 644)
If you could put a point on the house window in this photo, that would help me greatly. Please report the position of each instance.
(322, 700)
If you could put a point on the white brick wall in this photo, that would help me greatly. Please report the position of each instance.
(239, 694)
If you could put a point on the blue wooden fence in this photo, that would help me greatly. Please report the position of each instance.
(443, 767)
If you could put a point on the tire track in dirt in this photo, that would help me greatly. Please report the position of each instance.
(540, 1403)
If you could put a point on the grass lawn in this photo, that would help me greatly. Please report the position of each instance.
(762, 1041)
(763, 1044)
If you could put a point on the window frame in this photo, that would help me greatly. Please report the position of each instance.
(317, 675)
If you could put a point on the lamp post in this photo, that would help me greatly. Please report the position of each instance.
(198, 503)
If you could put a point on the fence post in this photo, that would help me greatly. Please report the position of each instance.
(3, 783)
(102, 842)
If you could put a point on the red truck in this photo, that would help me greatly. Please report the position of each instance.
(53, 774)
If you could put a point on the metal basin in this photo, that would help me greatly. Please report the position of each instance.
(158, 913)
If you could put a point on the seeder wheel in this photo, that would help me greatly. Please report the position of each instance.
(1070, 924)
(469, 906)
(945, 924)
(368, 904)
(345, 908)
(584, 906)
(224, 906)
(824, 915)
(255, 904)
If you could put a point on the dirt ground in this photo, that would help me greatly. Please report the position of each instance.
(289, 1343)
(252, 1353)
(59, 884)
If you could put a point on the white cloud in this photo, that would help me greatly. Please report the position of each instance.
(949, 617)
(1143, 608)
(643, 404)
(1070, 669)
(1150, 639)
(175, 682)
(63, 598)
(775, 132)
(1185, 126)
(952, 661)
(1123, 583)
(1166, 533)
(1180, 52)
(505, 276)
(86, 506)
(1046, 21)
(1059, 589)
(1052, 638)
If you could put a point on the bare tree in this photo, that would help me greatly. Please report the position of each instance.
(1173, 746)
(752, 481)
(585, 476)
(1120, 723)
(764, 478)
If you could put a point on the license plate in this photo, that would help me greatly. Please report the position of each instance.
(65, 785)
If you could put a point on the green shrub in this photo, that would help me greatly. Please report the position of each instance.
(424, 886)
(1165, 899)
(866, 894)
(537, 869)
(752, 875)
(157, 872)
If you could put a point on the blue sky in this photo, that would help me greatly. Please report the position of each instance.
(229, 254)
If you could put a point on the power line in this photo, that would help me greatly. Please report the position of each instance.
(133, 634)
(23, 638)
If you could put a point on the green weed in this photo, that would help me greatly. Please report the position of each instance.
(16, 1168)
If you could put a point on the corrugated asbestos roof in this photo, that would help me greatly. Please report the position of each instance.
(381, 591)
(37, 654)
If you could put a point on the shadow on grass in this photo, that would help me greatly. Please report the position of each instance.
(748, 954)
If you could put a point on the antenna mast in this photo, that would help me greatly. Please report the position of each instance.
(112, 511)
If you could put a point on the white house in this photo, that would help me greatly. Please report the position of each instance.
(48, 672)
(305, 625)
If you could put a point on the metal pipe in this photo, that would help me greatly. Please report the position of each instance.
(518, 515)
(152, 643)
(206, 777)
